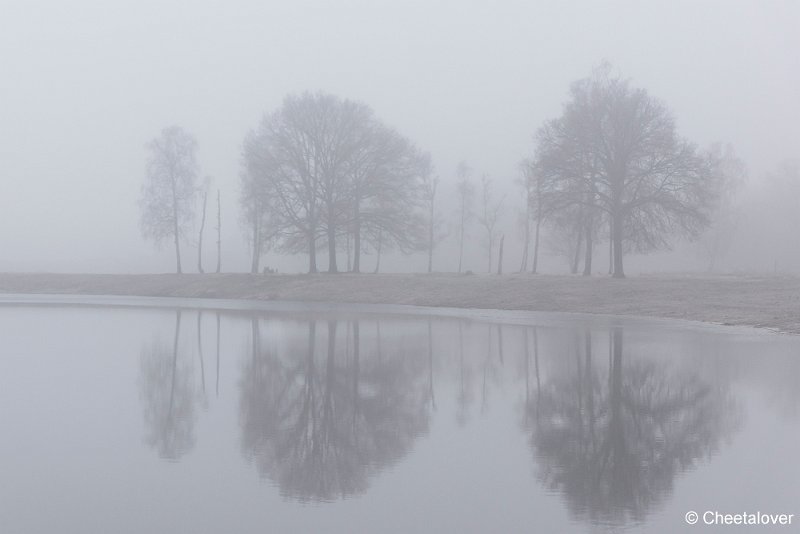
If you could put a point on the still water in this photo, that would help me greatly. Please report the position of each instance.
(318, 419)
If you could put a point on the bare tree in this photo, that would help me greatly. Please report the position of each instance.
(430, 186)
(489, 215)
(378, 250)
(257, 213)
(334, 171)
(466, 193)
(615, 150)
(167, 201)
(219, 234)
(200, 237)
(535, 207)
(527, 213)
(282, 153)
(500, 255)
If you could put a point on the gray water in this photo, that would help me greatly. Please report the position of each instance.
(318, 420)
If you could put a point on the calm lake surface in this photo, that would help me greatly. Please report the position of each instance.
(154, 419)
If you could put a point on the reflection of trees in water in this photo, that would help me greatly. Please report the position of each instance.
(612, 441)
(490, 370)
(203, 396)
(464, 395)
(320, 422)
(431, 392)
(168, 396)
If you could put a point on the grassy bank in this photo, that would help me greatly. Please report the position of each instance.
(763, 301)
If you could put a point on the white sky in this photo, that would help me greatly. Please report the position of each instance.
(84, 85)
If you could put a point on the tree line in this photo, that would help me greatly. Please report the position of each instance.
(325, 174)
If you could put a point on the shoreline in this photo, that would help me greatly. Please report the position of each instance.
(767, 302)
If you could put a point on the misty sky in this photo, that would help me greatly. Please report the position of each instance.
(84, 85)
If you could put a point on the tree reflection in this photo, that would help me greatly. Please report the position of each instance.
(168, 395)
(612, 439)
(320, 423)
(464, 396)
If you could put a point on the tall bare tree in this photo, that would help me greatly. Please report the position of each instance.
(200, 236)
(535, 208)
(489, 215)
(167, 199)
(527, 213)
(500, 255)
(219, 233)
(466, 193)
(257, 214)
(430, 186)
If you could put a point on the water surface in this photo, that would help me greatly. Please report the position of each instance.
(309, 419)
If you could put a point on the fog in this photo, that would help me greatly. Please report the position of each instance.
(85, 85)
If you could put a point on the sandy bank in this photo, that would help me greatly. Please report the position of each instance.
(762, 301)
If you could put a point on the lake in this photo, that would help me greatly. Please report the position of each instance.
(157, 415)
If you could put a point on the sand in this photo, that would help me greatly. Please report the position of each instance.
(744, 300)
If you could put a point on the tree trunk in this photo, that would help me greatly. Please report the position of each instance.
(219, 234)
(587, 259)
(380, 246)
(357, 241)
(177, 251)
(524, 265)
(430, 257)
(430, 240)
(491, 243)
(175, 228)
(619, 272)
(500, 256)
(536, 245)
(256, 246)
(349, 251)
(461, 246)
(200, 238)
(577, 258)
(332, 267)
(312, 252)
